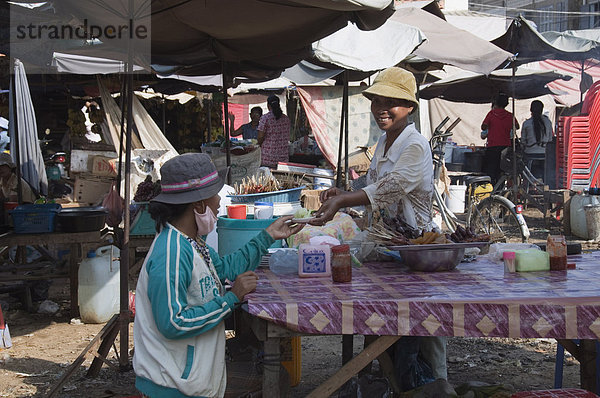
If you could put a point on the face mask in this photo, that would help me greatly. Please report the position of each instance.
(205, 222)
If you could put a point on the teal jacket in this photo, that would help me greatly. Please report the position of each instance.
(179, 335)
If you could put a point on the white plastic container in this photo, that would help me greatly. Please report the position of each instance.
(579, 225)
(98, 294)
(592, 219)
(314, 260)
(456, 198)
(323, 183)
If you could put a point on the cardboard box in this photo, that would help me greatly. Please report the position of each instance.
(104, 166)
(91, 189)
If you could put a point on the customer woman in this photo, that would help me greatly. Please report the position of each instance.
(536, 133)
(274, 134)
(181, 300)
(399, 180)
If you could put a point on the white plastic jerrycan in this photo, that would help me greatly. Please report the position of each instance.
(99, 285)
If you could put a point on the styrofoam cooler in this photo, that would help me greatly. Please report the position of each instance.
(323, 183)
(279, 209)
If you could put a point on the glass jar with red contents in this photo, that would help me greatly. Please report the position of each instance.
(341, 264)
(556, 246)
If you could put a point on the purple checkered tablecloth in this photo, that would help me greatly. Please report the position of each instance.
(475, 300)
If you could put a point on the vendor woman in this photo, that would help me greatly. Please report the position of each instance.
(400, 177)
(181, 301)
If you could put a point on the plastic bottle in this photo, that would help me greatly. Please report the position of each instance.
(556, 246)
(341, 264)
(98, 291)
(314, 260)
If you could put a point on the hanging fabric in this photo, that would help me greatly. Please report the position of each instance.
(33, 169)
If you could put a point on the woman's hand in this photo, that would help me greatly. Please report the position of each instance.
(328, 209)
(329, 193)
(281, 229)
(244, 283)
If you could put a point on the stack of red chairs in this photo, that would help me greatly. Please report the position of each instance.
(594, 116)
(578, 145)
(573, 169)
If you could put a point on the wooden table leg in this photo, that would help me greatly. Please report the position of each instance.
(351, 368)
(347, 348)
(272, 360)
(587, 351)
(74, 278)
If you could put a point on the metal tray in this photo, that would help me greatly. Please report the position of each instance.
(437, 246)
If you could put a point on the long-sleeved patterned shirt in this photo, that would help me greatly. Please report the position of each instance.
(400, 182)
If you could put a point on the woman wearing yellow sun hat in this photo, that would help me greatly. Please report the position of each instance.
(399, 183)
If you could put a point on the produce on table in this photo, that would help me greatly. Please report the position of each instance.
(467, 235)
(302, 213)
(146, 190)
(264, 184)
(395, 232)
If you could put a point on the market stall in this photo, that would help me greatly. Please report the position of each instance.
(386, 299)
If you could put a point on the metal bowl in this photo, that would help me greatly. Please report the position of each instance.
(432, 260)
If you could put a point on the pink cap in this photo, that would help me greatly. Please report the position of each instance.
(509, 255)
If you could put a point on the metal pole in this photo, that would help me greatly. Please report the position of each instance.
(346, 135)
(121, 134)
(338, 178)
(15, 124)
(209, 121)
(124, 315)
(164, 118)
(226, 121)
(581, 84)
(514, 137)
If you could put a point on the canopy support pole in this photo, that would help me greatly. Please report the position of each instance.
(346, 111)
(225, 121)
(341, 140)
(514, 133)
(581, 85)
(122, 106)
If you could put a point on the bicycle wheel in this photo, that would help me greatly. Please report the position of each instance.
(496, 216)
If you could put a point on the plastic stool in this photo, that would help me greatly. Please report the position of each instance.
(559, 363)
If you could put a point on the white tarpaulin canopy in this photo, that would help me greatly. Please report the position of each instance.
(410, 30)
(84, 65)
(450, 45)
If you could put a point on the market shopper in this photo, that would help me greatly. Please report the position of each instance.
(248, 130)
(499, 124)
(181, 301)
(399, 184)
(9, 182)
(274, 134)
(536, 133)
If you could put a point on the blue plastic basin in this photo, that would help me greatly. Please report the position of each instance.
(234, 233)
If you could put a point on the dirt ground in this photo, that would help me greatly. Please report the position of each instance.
(45, 345)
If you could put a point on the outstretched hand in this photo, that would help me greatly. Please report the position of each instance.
(327, 210)
(283, 229)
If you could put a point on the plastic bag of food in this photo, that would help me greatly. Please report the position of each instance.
(114, 204)
(496, 249)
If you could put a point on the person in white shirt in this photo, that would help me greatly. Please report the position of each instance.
(399, 180)
(536, 133)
